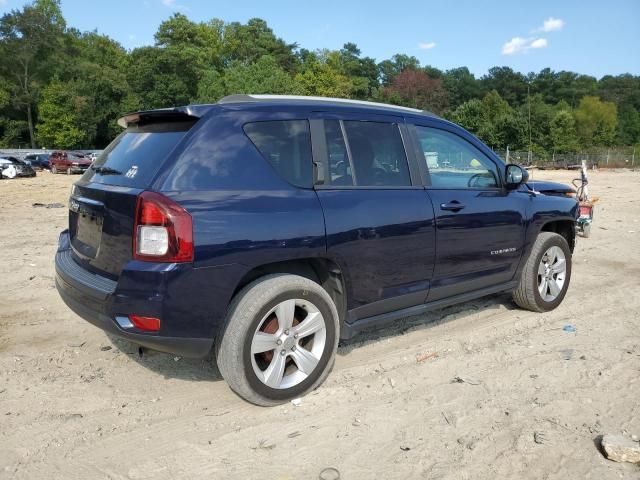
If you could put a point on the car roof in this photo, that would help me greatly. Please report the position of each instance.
(239, 101)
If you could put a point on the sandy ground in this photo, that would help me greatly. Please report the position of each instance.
(75, 403)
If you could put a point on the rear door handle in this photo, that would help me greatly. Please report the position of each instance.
(454, 206)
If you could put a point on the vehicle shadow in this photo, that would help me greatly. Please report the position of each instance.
(206, 369)
(427, 320)
(170, 366)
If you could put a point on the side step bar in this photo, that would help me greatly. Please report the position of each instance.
(349, 330)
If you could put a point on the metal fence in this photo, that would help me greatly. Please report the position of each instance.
(613, 158)
(20, 153)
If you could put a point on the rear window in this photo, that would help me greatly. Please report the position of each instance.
(135, 156)
(286, 145)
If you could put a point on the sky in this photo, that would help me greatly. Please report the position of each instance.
(591, 37)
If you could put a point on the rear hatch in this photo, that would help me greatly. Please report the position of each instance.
(102, 205)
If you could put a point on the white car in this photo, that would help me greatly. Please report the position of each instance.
(11, 167)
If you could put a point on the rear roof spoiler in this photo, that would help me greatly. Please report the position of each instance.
(177, 114)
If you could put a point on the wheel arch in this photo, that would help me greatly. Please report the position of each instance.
(564, 227)
(323, 271)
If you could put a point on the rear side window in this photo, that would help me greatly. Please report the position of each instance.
(372, 156)
(135, 156)
(286, 145)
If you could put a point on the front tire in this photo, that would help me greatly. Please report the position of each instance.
(545, 277)
(54, 169)
(280, 339)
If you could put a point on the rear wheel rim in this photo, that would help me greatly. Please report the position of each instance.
(552, 274)
(288, 343)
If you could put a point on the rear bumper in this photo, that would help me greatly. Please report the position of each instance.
(94, 298)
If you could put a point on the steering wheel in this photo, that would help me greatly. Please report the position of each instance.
(473, 180)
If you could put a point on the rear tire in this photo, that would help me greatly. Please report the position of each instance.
(267, 353)
(545, 277)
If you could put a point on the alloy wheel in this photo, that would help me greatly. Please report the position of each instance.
(552, 273)
(288, 343)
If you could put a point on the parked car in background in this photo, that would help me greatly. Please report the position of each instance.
(69, 162)
(38, 161)
(11, 167)
(94, 155)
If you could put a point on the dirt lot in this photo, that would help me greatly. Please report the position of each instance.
(75, 403)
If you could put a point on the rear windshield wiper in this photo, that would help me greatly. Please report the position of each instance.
(106, 170)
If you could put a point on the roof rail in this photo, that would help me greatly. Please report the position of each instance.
(275, 98)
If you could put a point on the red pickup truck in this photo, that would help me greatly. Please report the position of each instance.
(70, 162)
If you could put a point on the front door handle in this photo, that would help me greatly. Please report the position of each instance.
(454, 206)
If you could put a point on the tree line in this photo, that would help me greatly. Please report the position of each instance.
(63, 88)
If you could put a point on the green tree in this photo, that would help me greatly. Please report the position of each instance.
(596, 122)
(362, 70)
(96, 67)
(247, 43)
(162, 77)
(461, 86)
(511, 85)
(470, 115)
(263, 76)
(321, 79)
(29, 41)
(563, 132)
(65, 117)
(628, 125)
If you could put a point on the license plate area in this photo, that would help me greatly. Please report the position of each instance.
(86, 226)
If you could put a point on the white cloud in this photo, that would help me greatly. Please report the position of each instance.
(539, 43)
(3, 2)
(426, 46)
(522, 45)
(551, 25)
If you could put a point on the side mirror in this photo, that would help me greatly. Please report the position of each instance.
(515, 175)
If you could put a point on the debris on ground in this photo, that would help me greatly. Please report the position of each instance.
(329, 473)
(426, 356)
(296, 402)
(539, 437)
(48, 205)
(469, 380)
(620, 449)
(105, 348)
(264, 445)
(569, 328)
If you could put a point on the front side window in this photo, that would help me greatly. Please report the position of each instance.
(373, 155)
(454, 163)
(286, 145)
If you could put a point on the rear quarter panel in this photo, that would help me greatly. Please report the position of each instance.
(244, 214)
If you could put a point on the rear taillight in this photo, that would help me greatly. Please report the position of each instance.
(163, 230)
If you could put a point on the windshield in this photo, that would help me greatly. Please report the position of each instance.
(135, 156)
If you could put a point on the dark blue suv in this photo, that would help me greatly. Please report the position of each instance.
(268, 227)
